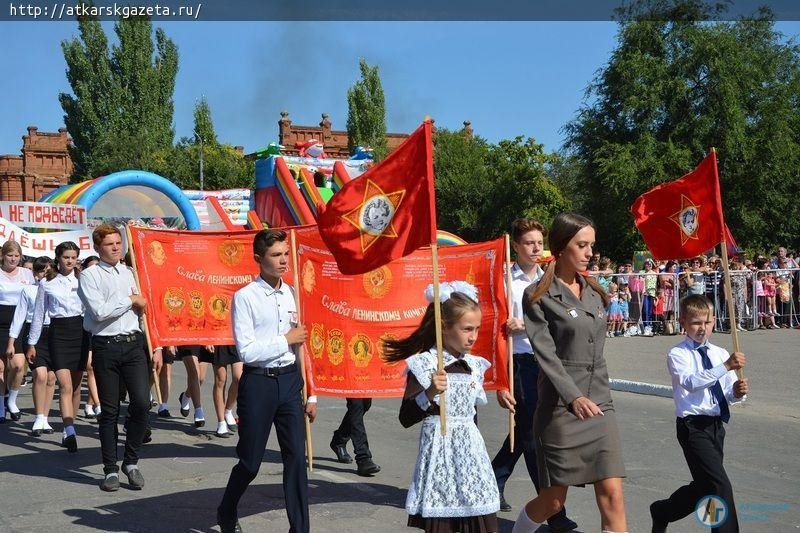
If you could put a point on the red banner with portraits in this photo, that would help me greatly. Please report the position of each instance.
(347, 316)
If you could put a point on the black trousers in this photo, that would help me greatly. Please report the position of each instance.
(262, 402)
(116, 362)
(352, 427)
(702, 439)
(526, 393)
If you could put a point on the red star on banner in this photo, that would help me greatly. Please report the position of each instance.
(676, 218)
(356, 216)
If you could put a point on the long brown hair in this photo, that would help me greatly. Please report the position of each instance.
(563, 229)
(424, 336)
(60, 249)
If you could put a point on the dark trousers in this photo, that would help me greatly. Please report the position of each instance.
(262, 402)
(702, 439)
(648, 305)
(526, 374)
(114, 362)
(352, 427)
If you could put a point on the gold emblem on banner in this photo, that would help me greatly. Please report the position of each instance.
(175, 302)
(335, 346)
(196, 310)
(219, 306)
(360, 350)
(378, 282)
(317, 340)
(230, 252)
(470, 277)
(309, 276)
(383, 338)
(155, 250)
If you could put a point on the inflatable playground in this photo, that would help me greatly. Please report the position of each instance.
(288, 192)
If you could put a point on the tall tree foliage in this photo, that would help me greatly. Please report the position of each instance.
(203, 125)
(366, 112)
(121, 108)
(481, 188)
(675, 86)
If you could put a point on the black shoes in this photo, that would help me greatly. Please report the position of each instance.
(561, 524)
(504, 506)
(70, 443)
(110, 483)
(164, 413)
(228, 524)
(15, 416)
(658, 526)
(341, 453)
(184, 412)
(367, 468)
(36, 433)
(135, 478)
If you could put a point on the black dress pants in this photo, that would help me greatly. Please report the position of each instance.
(262, 402)
(702, 439)
(114, 362)
(352, 427)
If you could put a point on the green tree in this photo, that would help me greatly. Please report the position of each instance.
(481, 188)
(203, 126)
(675, 86)
(366, 112)
(120, 110)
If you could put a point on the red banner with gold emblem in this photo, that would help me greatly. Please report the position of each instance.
(189, 279)
(347, 316)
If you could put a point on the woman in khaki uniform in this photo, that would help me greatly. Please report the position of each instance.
(577, 440)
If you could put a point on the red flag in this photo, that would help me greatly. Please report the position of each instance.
(387, 212)
(682, 218)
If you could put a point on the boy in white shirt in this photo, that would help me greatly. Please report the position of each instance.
(704, 384)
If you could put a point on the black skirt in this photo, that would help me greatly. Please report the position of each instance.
(69, 343)
(42, 347)
(467, 524)
(6, 317)
(21, 342)
(221, 356)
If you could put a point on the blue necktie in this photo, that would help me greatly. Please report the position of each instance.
(716, 388)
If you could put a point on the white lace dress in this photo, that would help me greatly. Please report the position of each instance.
(453, 476)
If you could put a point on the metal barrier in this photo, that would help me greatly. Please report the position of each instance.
(774, 298)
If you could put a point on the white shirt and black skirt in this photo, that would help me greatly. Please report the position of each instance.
(21, 327)
(69, 343)
(10, 292)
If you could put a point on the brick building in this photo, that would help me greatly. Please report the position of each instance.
(44, 165)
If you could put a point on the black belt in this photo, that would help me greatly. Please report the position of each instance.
(130, 338)
(271, 372)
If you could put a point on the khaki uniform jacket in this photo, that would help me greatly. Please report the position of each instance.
(568, 336)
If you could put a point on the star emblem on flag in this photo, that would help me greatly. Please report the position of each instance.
(687, 218)
(373, 217)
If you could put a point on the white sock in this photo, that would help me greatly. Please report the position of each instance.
(162, 407)
(185, 401)
(128, 468)
(229, 418)
(47, 424)
(97, 410)
(524, 523)
(198, 413)
(89, 409)
(69, 430)
(39, 422)
(12, 400)
(222, 427)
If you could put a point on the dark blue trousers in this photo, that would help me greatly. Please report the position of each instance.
(526, 373)
(262, 402)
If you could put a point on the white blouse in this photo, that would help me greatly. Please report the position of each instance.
(11, 285)
(24, 311)
(57, 298)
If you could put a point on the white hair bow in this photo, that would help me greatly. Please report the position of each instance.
(447, 288)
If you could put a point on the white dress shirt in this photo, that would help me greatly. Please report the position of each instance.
(262, 315)
(24, 311)
(519, 282)
(105, 291)
(11, 286)
(691, 383)
(56, 298)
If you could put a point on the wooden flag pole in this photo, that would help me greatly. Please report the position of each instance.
(726, 277)
(437, 316)
(300, 354)
(510, 298)
(145, 328)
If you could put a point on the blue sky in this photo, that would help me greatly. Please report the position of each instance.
(511, 78)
